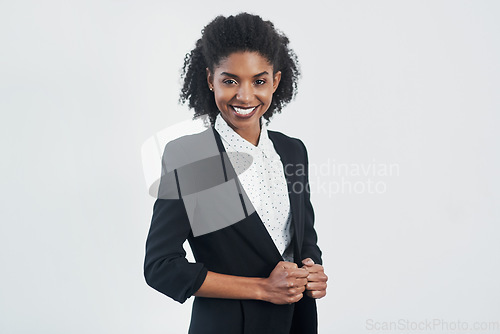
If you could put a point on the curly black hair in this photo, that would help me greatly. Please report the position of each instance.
(226, 35)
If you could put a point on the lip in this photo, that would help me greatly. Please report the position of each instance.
(241, 115)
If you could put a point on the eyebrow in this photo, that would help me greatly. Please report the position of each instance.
(236, 77)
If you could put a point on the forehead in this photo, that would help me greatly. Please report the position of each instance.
(245, 63)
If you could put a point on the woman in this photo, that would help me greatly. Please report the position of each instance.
(249, 221)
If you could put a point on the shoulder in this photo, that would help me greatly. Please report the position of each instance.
(280, 138)
(190, 148)
(191, 140)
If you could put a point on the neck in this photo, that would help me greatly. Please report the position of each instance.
(250, 135)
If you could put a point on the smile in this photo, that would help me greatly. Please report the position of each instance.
(246, 112)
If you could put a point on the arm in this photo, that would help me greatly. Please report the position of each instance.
(285, 285)
(165, 267)
(167, 270)
(232, 287)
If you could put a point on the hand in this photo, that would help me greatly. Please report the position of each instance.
(316, 280)
(285, 284)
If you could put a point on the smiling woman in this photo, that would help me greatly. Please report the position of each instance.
(258, 266)
(243, 86)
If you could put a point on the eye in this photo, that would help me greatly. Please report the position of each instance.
(260, 82)
(229, 81)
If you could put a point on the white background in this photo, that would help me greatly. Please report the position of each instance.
(413, 83)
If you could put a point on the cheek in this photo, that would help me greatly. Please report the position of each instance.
(221, 98)
(266, 96)
(225, 93)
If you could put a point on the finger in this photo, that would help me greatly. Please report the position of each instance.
(308, 262)
(302, 281)
(316, 286)
(288, 265)
(300, 289)
(315, 294)
(299, 282)
(296, 298)
(314, 268)
(317, 277)
(296, 290)
(299, 273)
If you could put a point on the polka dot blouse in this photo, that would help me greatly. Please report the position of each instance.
(264, 182)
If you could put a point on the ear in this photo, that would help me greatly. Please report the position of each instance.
(210, 79)
(276, 80)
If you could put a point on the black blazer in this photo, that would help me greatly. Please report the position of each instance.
(243, 249)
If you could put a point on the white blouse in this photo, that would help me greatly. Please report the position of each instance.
(264, 182)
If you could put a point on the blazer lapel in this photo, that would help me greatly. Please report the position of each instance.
(286, 155)
(252, 229)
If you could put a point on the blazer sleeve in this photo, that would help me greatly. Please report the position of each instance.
(166, 268)
(309, 246)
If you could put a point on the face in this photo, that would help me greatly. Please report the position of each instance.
(243, 85)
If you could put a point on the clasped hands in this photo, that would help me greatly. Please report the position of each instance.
(287, 282)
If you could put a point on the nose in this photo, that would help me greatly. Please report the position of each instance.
(245, 93)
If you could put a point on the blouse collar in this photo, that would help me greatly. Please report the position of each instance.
(239, 144)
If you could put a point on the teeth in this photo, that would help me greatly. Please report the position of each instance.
(244, 111)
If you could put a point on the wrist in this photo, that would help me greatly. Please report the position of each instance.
(261, 290)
